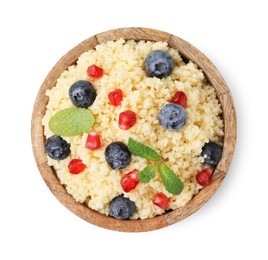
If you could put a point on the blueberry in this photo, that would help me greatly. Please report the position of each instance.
(212, 153)
(117, 155)
(159, 64)
(122, 208)
(172, 116)
(57, 148)
(82, 93)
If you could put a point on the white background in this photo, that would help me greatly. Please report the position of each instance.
(35, 34)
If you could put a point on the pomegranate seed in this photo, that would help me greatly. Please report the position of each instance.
(204, 177)
(179, 98)
(76, 166)
(94, 71)
(116, 97)
(127, 119)
(161, 200)
(93, 140)
(130, 181)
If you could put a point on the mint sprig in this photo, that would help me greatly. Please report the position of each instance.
(142, 150)
(147, 173)
(171, 181)
(71, 121)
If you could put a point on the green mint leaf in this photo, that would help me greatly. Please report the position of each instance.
(147, 173)
(171, 181)
(71, 121)
(142, 150)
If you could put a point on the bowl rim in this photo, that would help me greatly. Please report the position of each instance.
(186, 50)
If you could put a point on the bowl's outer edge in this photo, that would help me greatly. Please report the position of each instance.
(188, 51)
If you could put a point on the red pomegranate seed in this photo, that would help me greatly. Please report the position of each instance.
(204, 177)
(94, 71)
(76, 166)
(161, 200)
(116, 97)
(127, 119)
(179, 98)
(130, 181)
(93, 140)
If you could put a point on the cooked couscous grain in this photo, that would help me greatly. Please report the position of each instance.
(123, 64)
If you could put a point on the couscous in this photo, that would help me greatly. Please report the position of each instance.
(129, 100)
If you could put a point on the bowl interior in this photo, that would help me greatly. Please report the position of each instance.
(187, 51)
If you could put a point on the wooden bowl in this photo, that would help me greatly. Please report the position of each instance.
(188, 52)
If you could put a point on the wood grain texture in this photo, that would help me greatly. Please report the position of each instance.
(189, 52)
(133, 34)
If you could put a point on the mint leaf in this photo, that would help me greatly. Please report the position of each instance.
(71, 121)
(142, 150)
(171, 181)
(147, 173)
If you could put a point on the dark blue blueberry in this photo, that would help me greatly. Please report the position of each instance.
(122, 208)
(159, 64)
(117, 155)
(57, 148)
(172, 116)
(82, 93)
(212, 153)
